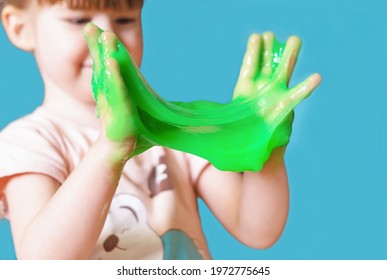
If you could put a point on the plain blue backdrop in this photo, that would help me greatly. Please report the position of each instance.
(336, 159)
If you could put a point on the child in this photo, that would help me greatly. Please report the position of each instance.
(71, 193)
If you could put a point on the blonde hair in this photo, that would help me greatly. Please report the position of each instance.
(78, 4)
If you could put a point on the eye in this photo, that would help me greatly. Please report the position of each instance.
(79, 21)
(125, 20)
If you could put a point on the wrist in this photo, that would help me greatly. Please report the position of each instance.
(275, 161)
(115, 151)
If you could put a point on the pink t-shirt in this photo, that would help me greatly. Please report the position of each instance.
(154, 213)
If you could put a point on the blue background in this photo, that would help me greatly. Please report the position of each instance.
(336, 160)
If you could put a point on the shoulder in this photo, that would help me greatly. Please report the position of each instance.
(37, 144)
(31, 133)
(42, 129)
(34, 124)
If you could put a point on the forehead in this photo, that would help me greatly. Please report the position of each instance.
(97, 4)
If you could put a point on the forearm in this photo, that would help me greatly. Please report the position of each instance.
(264, 203)
(252, 206)
(69, 225)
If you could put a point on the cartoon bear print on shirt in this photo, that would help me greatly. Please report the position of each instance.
(127, 235)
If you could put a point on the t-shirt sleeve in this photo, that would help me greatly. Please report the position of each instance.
(196, 167)
(25, 148)
(2, 207)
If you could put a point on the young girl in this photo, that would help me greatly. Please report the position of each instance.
(71, 193)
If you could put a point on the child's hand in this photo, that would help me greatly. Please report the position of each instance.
(111, 95)
(266, 71)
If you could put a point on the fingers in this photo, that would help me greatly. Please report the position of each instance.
(117, 69)
(288, 102)
(109, 47)
(116, 92)
(113, 101)
(92, 35)
(130, 70)
(109, 43)
(288, 60)
(295, 46)
(267, 58)
(304, 89)
(120, 119)
(112, 47)
(250, 65)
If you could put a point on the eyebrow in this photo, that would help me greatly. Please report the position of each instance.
(131, 210)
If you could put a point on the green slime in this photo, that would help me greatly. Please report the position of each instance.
(237, 136)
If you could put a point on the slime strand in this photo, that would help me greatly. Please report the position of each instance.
(237, 136)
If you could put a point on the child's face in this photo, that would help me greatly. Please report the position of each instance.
(62, 53)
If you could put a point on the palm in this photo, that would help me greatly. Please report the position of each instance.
(265, 75)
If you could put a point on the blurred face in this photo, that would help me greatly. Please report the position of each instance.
(60, 49)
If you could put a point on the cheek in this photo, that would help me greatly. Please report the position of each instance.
(59, 54)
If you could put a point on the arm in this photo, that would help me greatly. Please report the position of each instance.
(252, 206)
(50, 221)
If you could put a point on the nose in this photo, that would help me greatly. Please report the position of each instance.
(103, 21)
(110, 243)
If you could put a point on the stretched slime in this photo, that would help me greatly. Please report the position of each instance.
(237, 136)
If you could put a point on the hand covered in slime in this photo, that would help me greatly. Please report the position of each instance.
(237, 136)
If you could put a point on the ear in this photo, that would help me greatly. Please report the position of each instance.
(17, 24)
